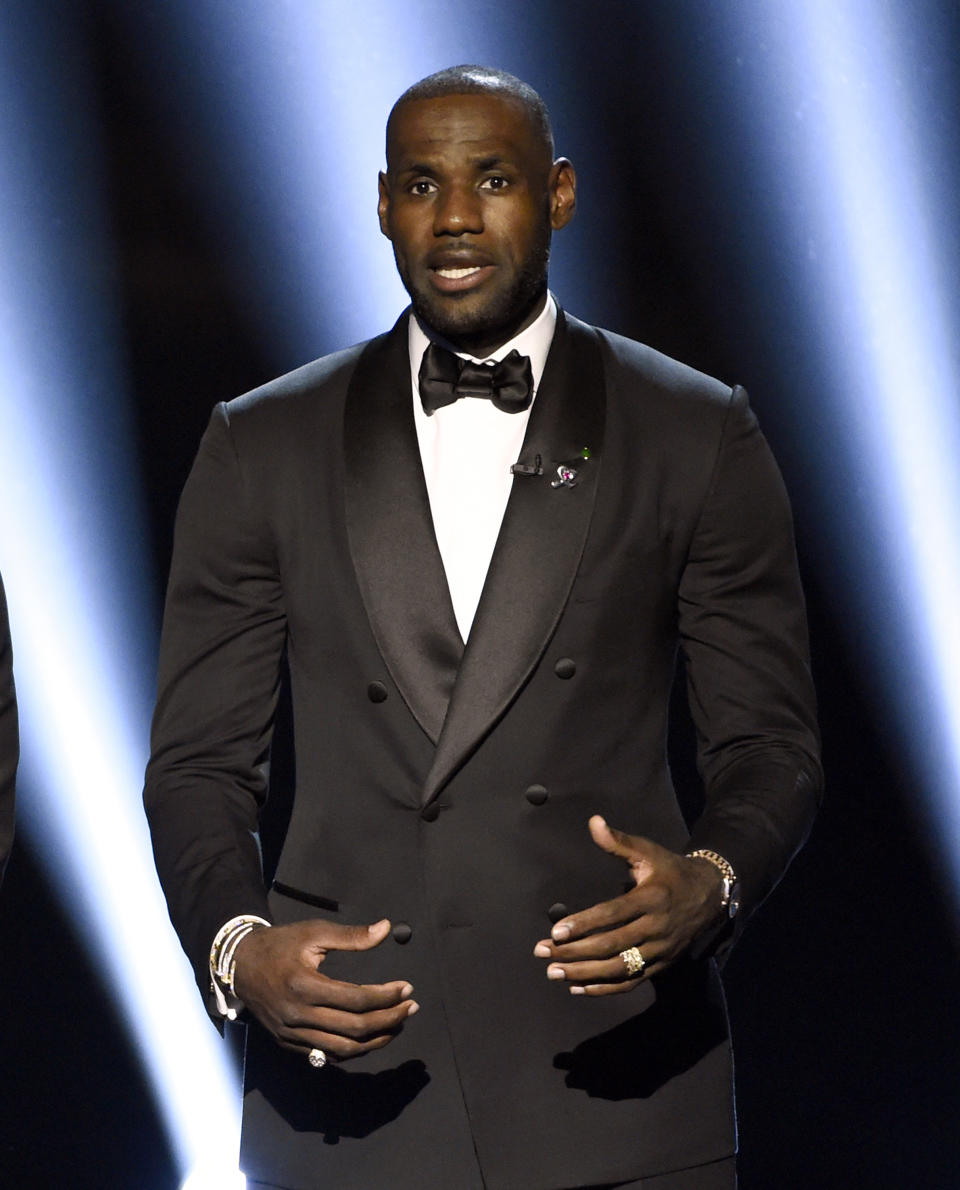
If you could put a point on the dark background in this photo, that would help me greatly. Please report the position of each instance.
(844, 991)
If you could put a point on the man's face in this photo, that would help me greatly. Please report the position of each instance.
(469, 201)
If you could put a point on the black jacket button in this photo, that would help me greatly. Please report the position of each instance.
(402, 932)
(565, 668)
(429, 813)
(536, 795)
(377, 692)
(556, 912)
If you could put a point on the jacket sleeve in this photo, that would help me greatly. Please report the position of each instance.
(9, 739)
(222, 643)
(743, 631)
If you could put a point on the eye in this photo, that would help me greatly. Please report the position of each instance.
(422, 186)
(495, 182)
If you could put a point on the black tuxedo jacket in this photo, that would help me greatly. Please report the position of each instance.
(9, 740)
(448, 787)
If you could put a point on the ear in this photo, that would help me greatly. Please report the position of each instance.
(383, 204)
(563, 193)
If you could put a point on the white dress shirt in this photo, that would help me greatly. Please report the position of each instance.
(467, 449)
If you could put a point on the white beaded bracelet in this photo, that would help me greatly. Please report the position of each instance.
(223, 959)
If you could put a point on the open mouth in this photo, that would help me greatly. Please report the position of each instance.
(451, 279)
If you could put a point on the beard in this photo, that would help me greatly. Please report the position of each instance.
(486, 324)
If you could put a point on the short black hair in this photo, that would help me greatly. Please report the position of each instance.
(480, 80)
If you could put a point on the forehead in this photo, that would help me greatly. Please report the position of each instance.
(462, 126)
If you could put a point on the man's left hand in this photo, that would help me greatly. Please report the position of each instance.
(675, 900)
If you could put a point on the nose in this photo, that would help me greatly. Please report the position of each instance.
(457, 212)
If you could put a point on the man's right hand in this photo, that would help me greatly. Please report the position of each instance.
(277, 979)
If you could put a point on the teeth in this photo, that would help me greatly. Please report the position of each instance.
(456, 274)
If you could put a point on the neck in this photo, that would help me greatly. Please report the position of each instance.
(482, 343)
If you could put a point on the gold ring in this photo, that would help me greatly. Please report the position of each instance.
(633, 960)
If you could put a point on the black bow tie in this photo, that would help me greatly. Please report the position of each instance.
(444, 378)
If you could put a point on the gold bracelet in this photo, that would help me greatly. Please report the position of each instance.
(730, 896)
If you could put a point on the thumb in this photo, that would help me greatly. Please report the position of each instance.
(328, 935)
(364, 937)
(633, 848)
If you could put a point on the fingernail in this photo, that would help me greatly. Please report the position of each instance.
(560, 933)
(555, 973)
(413, 1007)
(577, 990)
(541, 950)
(406, 990)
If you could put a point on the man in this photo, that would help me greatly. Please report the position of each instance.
(9, 739)
(484, 960)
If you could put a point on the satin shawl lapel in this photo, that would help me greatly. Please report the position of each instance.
(537, 553)
(391, 535)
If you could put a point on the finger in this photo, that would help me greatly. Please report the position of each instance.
(329, 935)
(315, 990)
(335, 1048)
(615, 986)
(607, 915)
(633, 848)
(604, 989)
(609, 838)
(635, 932)
(654, 955)
(360, 1027)
(602, 971)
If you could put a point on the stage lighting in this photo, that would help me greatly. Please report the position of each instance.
(859, 175)
(278, 113)
(214, 1179)
(77, 578)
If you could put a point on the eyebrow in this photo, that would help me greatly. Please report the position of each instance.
(481, 164)
(417, 167)
(491, 162)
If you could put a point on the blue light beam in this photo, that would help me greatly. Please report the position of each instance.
(78, 583)
(277, 114)
(858, 164)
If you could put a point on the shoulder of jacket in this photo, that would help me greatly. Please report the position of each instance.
(637, 361)
(630, 362)
(316, 381)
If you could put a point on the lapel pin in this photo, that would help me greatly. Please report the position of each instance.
(567, 474)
